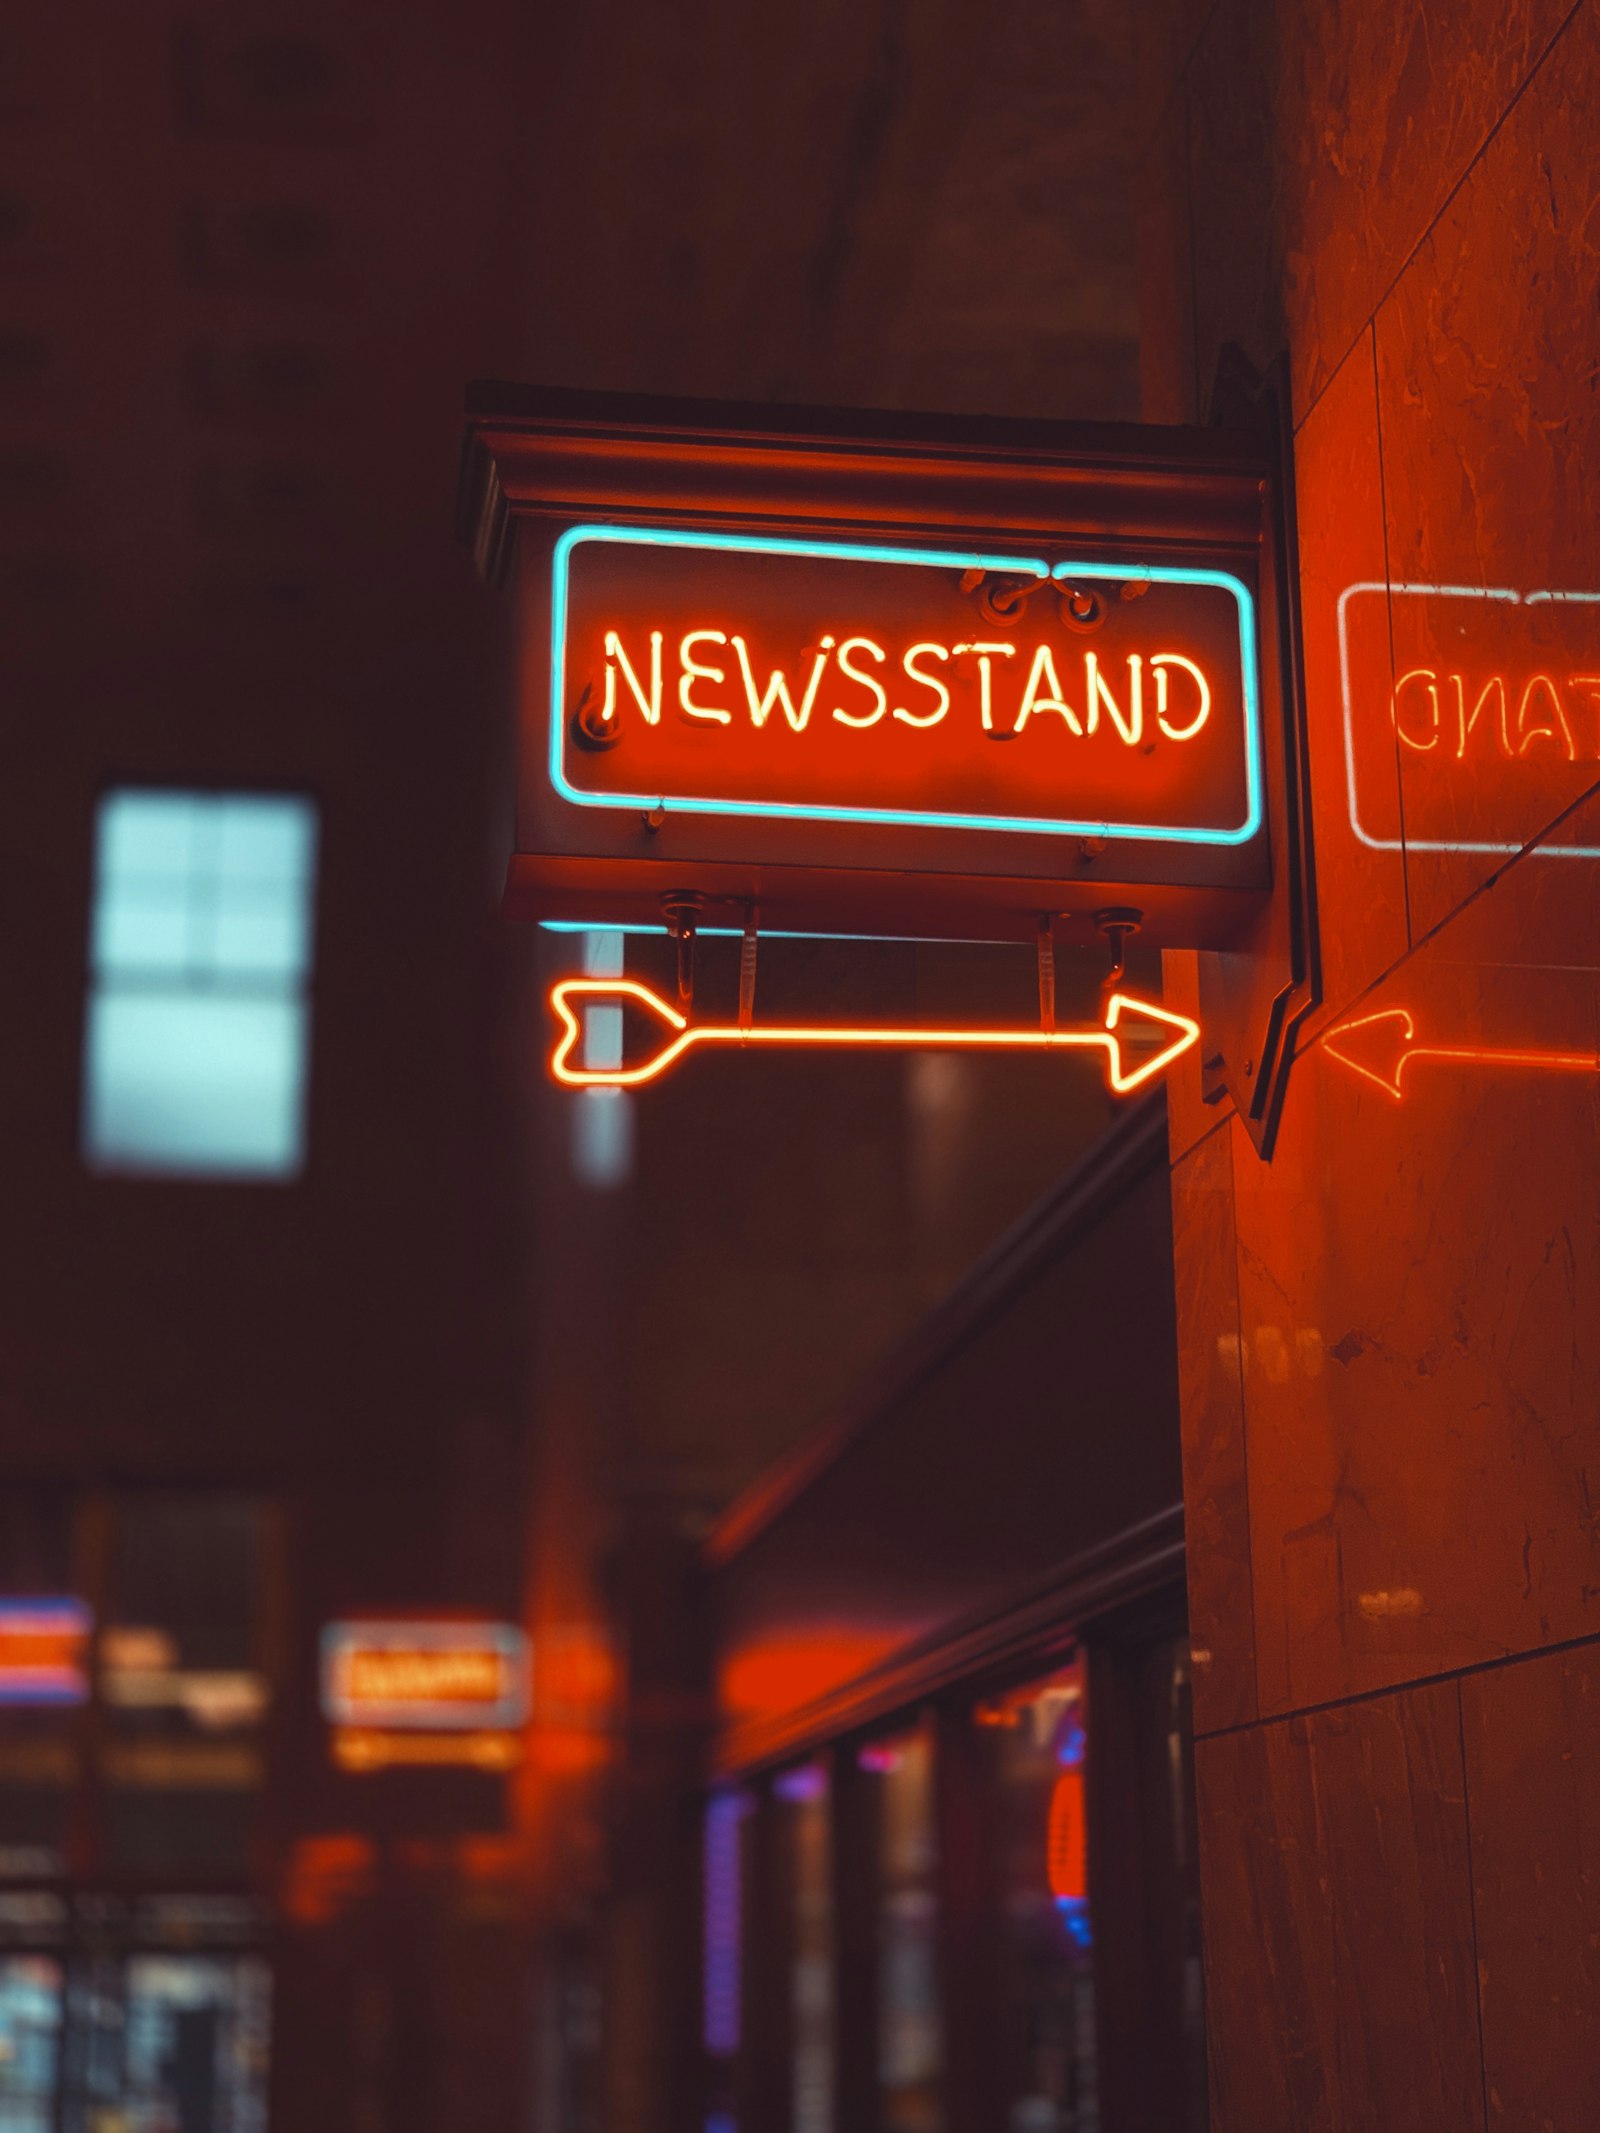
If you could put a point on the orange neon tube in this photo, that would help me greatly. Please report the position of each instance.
(1172, 1033)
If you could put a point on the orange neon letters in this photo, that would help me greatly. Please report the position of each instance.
(1542, 713)
(617, 658)
(777, 689)
(1042, 693)
(697, 670)
(880, 695)
(928, 681)
(1132, 727)
(1159, 663)
(1113, 706)
(1173, 1034)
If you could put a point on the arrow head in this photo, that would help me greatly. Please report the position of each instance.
(1135, 1023)
(571, 996)
(1375, 1046)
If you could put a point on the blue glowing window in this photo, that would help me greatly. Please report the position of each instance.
(195, 1044)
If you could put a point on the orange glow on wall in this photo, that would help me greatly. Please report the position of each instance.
(784, 1672)
(1380, 1048)
(325, 1875)
(1129, 1027)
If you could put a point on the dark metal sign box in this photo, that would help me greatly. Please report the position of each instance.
(880, 673)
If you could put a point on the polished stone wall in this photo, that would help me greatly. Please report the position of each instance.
(1391, 1331)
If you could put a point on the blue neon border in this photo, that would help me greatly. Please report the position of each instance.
(926, 558)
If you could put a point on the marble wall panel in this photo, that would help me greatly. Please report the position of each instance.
(1215, 1485)
(1355, 780)
(1337, 1893)
(1532, 1743)
(1377, 113)
(1416, 1282)
(1491, 453)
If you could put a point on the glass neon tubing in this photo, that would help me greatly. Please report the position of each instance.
(927, 559)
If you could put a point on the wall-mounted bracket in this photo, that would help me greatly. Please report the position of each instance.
(1255, 994)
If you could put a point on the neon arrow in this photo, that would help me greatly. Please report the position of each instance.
(1127, 1019)
(1380, 1047)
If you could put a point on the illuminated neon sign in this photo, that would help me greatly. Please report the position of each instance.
(1380, 1047)
(1490, 701)
(44, 1648)
(362, 1748)
(914, 688)
(1124, 1039)
(425, 1676)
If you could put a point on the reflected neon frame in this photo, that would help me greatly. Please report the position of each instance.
(682, 1035)
(1442, 592)
(914, 558)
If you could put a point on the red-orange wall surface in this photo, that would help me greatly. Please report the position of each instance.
(1390, 1334)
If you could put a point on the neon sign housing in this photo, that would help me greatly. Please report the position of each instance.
(882, 675)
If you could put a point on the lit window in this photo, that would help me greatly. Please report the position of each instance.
(602, 1119)
(196, 1037)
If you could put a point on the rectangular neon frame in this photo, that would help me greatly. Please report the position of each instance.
(1535, 848)
(418, 1714)
(921, 558)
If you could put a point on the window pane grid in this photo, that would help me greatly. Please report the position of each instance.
(196, 1038)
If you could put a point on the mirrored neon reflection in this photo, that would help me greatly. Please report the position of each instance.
(1129, 1022)
(1495, 716)
(1379, 1047)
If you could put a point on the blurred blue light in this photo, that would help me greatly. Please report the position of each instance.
(1074, 1914)
(602, 1136)
(720, 2009)
(1072, 1744)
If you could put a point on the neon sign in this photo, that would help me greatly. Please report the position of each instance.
(728, 676)
(44, 1646)
(1490, 699)
(1129, 1028)
(1380, 1047)
(360, 1749)
(425, 1676)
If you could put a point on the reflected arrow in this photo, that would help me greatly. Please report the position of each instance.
(1380, 1047)
(1130, 1025)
